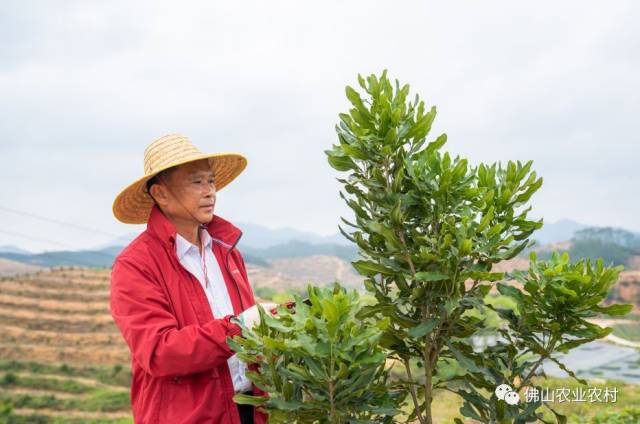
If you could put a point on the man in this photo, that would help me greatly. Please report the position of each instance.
(177, 286)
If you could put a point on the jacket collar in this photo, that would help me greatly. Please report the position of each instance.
(218, 228)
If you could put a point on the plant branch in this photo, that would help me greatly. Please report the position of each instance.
(412, 390)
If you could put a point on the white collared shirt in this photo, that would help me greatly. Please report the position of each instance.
(217, 294)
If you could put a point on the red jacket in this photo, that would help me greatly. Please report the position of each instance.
(178, 350)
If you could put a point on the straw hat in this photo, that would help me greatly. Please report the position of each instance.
(133, 204)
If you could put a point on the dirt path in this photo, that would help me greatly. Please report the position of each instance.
(82, 380)
(55, 306)
(612, 337)
(66, 285)
(37, 392)
(59, 279)
(622, 342)
(614, 321)
(93, 339)
(23, 313)
(71, 355)
(73, 414)
(32, 290)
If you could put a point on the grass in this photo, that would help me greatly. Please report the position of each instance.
(98, 401)
(7, 416)
(446, 405)
(628, 396)
(89, 398)
(44, 383)
(627, 331)
(115, 375)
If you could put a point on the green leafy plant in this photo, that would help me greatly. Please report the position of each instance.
(429, 229)
(319, 363)
(550, 317)
(629, 415)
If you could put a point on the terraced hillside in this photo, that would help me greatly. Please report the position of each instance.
(62, 359)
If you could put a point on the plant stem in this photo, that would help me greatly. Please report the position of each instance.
(407, 253)
(428, 383)
(334, 419)
(412, 390)
(548, 351)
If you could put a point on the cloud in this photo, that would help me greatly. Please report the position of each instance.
(87, 85)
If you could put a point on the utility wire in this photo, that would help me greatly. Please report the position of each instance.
(11, 233)
(67, 224)
(56, 255)
(63, 223)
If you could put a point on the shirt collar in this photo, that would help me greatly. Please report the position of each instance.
(183, 246)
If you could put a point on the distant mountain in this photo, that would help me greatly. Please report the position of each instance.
(9, 267)
(610, 235)
(261, 245)
(614, 245)
(259, 236)
(117, 242)
(86, 258)
(9, 248)
(256, 256)
(253, 236)
(559, 231)
(296, 249)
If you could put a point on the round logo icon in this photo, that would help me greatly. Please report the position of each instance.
(505, 392)
(502, 390)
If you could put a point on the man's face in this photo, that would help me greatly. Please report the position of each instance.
(188, 192)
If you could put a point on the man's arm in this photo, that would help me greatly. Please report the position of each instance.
(142, 312)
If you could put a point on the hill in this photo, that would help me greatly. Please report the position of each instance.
(62, 355)
(9, 267)
(614, 245)
(105, 257)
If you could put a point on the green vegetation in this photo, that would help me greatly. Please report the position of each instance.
(429, 227)
(116, 375)
(615, 246)
(321, 363)
(296, 248)
(277, 296)
(624, 411)
(629, 415)
(625, 407)
(97, 401)
(60, 379)
(627, 331)
(610, 252)
(44, 383)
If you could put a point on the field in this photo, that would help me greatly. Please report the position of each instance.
(63, 359)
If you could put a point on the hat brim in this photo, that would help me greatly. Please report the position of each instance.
(133, 205)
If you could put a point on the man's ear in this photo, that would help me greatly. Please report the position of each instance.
(160, 194)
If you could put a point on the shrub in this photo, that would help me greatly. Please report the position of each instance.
(319, 363)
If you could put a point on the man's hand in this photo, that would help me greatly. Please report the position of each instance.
(251, 316)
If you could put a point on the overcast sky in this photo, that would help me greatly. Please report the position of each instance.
(86, 86)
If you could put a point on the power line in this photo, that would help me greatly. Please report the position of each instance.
(33, 238)
(56, 255)
(55, 221)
